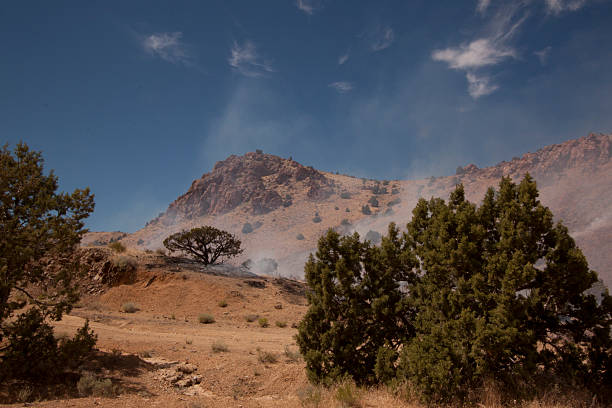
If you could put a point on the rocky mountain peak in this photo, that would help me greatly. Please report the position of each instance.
(261, 182)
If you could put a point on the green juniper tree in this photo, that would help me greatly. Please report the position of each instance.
(356, 307)
(498, 291)
(39, 232)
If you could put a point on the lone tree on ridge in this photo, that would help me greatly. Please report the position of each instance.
(206, 244)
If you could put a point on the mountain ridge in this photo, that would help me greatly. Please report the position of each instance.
(284, 200)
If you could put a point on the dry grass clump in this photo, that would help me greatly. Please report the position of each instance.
(222, 303)
(281, 324)
(117, 246)
(90, 384)
(292, 356)
(129, 307)
(263, 322)
(266, 357)
(124, 262)
(206, 318)
(219, 347)
(347, 395)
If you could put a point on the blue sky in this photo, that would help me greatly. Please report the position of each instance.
(137, 98)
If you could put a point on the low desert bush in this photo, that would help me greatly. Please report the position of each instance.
(251, 318)
(124, 263)
(90, 384)
(219, 347)
(299, 236)
(247, 228)
(292, 355)
(222, 303)
(263, 322)
(129, 307)
(266, 357)
(117, 246)
(316, 219)
(347, 395)
(206, 318)
(310, 396)
(160, 251)
(345, 195)
(281, 324)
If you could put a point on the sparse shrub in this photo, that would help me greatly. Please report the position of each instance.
(25, 394)
(188, 341)
(247, 228)
(292, 355)
(140, 242)
(395, 191)
(263, 322)
(160, 251)
(310, 396)
(395, 201)
(299, 236)
(287, 203)
(90, 384)
(251, 318)
(206, 318)
(129, 307)
(148, 251)
(117, 246)
(257, 224)
(219, 347)
(124, 263)
(373, 201)
(222, 303)
(266, 357)
(336, 208)
(316, 219)
(281, 324)
(347, 209)
(385, 182)
(347, 395)
(366, 210)
(345, 222)
(345, 195)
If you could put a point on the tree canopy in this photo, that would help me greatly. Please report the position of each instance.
(206, 244)
(39, 231)
(466, 294)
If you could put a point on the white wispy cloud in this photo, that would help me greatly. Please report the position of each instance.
(380, 38)
(308, 6)
(167, 46)
(480, 85)
(482, 5)
(559, 6)
(343, 58)
(341, 86)
(543, 54)
(245, 60)
(492, 47)
(478, 53)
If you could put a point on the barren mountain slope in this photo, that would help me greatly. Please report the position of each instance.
(280, 199)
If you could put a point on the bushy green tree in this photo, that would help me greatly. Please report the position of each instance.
(356, 306)
(206, 244)
(501, 293)
(39, 232)
(498, 291)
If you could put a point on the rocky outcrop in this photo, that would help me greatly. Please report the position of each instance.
(254, 179)
(585, 153)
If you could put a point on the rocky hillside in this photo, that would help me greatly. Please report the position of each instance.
(279, 207)
(262, 182)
